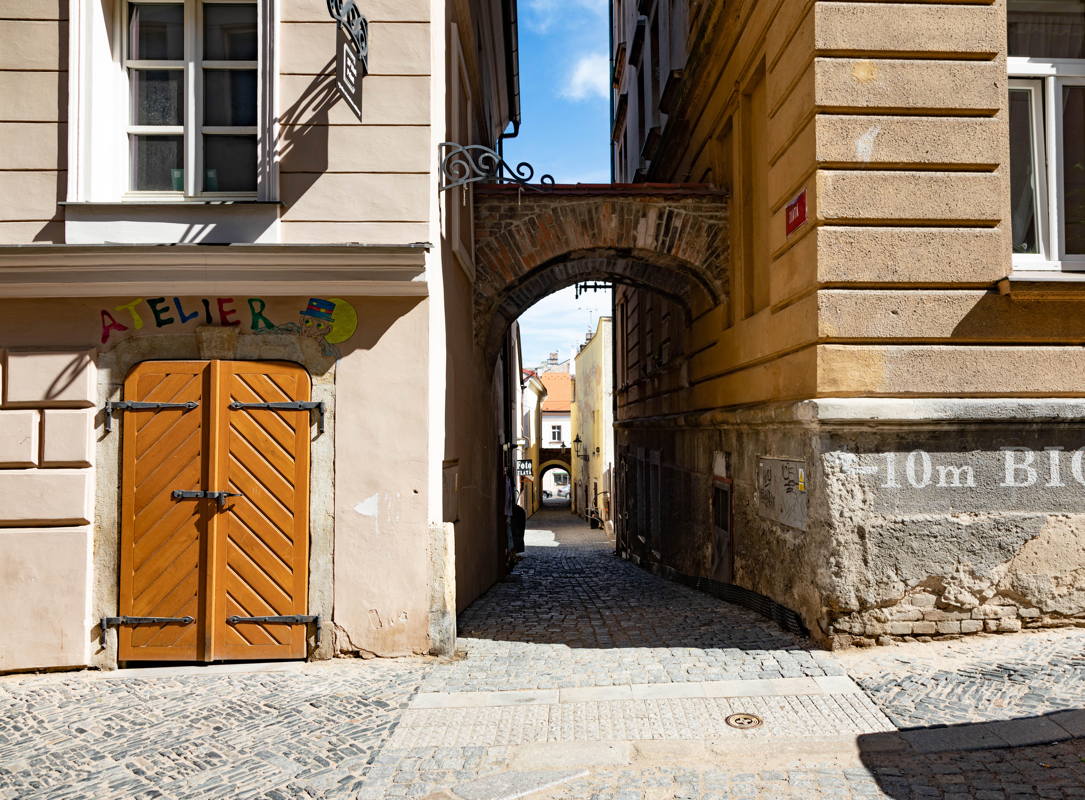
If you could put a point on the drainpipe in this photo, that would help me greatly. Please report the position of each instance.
(512, 71)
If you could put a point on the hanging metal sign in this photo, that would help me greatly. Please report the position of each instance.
(351, 52)
(356, 27)
(523, 468)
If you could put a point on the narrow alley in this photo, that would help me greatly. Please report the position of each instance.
(579, 676)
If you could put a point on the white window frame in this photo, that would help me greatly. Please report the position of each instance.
(560, 432)
(193, 129)
(1052, 75)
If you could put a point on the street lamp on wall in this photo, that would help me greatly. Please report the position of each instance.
(577, 442)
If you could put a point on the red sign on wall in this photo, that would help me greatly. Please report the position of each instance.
(796, 213)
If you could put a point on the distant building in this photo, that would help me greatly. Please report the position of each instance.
(593, 425)
(531, 432)
(556, 408)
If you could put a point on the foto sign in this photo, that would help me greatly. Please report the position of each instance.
(795, 216)
(352, 51)
(354, 24)
(523, 468)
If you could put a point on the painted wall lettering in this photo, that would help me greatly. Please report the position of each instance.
(330, 321)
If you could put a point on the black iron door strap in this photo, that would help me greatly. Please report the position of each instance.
(291, 405)
(134, 405)
(114, 622)
(287, 619)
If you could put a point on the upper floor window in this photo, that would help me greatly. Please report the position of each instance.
(193, 91)
(1046, 46)
(555, 433)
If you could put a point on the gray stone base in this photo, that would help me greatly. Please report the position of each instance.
(875, 520)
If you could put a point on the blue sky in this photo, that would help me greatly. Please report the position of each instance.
(565, 107)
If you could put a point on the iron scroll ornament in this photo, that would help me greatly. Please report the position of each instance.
(356, 26)
(474, 163)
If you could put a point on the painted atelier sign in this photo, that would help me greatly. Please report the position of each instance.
(795, 216)
(523, 468)
(330, 321)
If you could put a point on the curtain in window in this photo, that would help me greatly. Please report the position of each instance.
(1058, 33)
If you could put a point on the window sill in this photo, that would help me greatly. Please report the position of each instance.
(218, 201)
(1046, 282)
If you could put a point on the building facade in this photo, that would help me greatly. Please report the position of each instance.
(877, 424)
(232, 294)
(532, 396)
(593, 427)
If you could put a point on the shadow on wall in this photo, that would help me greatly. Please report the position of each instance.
(79, 364)
(995, 316)
(302, 146)
(1041, 756)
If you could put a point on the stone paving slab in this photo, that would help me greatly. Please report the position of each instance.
(785, 717)
(644, 691)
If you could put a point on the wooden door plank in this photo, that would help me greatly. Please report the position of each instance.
(266, 532)
(161, 542)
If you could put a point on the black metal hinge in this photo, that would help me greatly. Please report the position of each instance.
(113, 622)
(219, 497)
(133, 405)
(288, 619)
(291, 405)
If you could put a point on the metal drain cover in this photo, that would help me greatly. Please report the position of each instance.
(744, 721)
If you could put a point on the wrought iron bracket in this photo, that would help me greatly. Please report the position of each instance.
(134, 405)
(114, 622)
(356, 27)
(292, 405)
(287, 619)
(218, 497)
(474, 163)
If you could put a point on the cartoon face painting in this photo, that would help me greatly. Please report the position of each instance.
(318, 318)
(330, 321)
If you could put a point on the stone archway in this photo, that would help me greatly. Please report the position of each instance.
(532, 241)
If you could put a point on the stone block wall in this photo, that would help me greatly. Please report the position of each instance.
(46, 506)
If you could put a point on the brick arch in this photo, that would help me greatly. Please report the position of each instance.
(530, 243)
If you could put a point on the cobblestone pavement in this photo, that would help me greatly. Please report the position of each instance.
(582, 678)
(305, 732)
(577, 615)
(959, 681)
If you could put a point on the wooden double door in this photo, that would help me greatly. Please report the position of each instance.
(214, 513)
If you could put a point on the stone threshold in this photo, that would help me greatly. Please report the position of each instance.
(821, 685)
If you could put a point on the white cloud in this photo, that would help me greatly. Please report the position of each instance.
(589, 78)
(543, 15)
(560, 322)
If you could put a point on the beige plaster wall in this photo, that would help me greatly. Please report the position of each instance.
(51, 432)
(345, 179)
(33, 120)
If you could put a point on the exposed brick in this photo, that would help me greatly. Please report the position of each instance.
(924, 628)
(591, 234)
(971, 625)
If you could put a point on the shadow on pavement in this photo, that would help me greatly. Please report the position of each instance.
(1030, 757)
(572, 589)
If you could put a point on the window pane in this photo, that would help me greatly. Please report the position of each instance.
(229, 97)
(1023, 189)
(158, 163)
(229, 163)
(1047, 28)
(1073, 166)
(229, 32)
(156, 31)
(158, 96)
